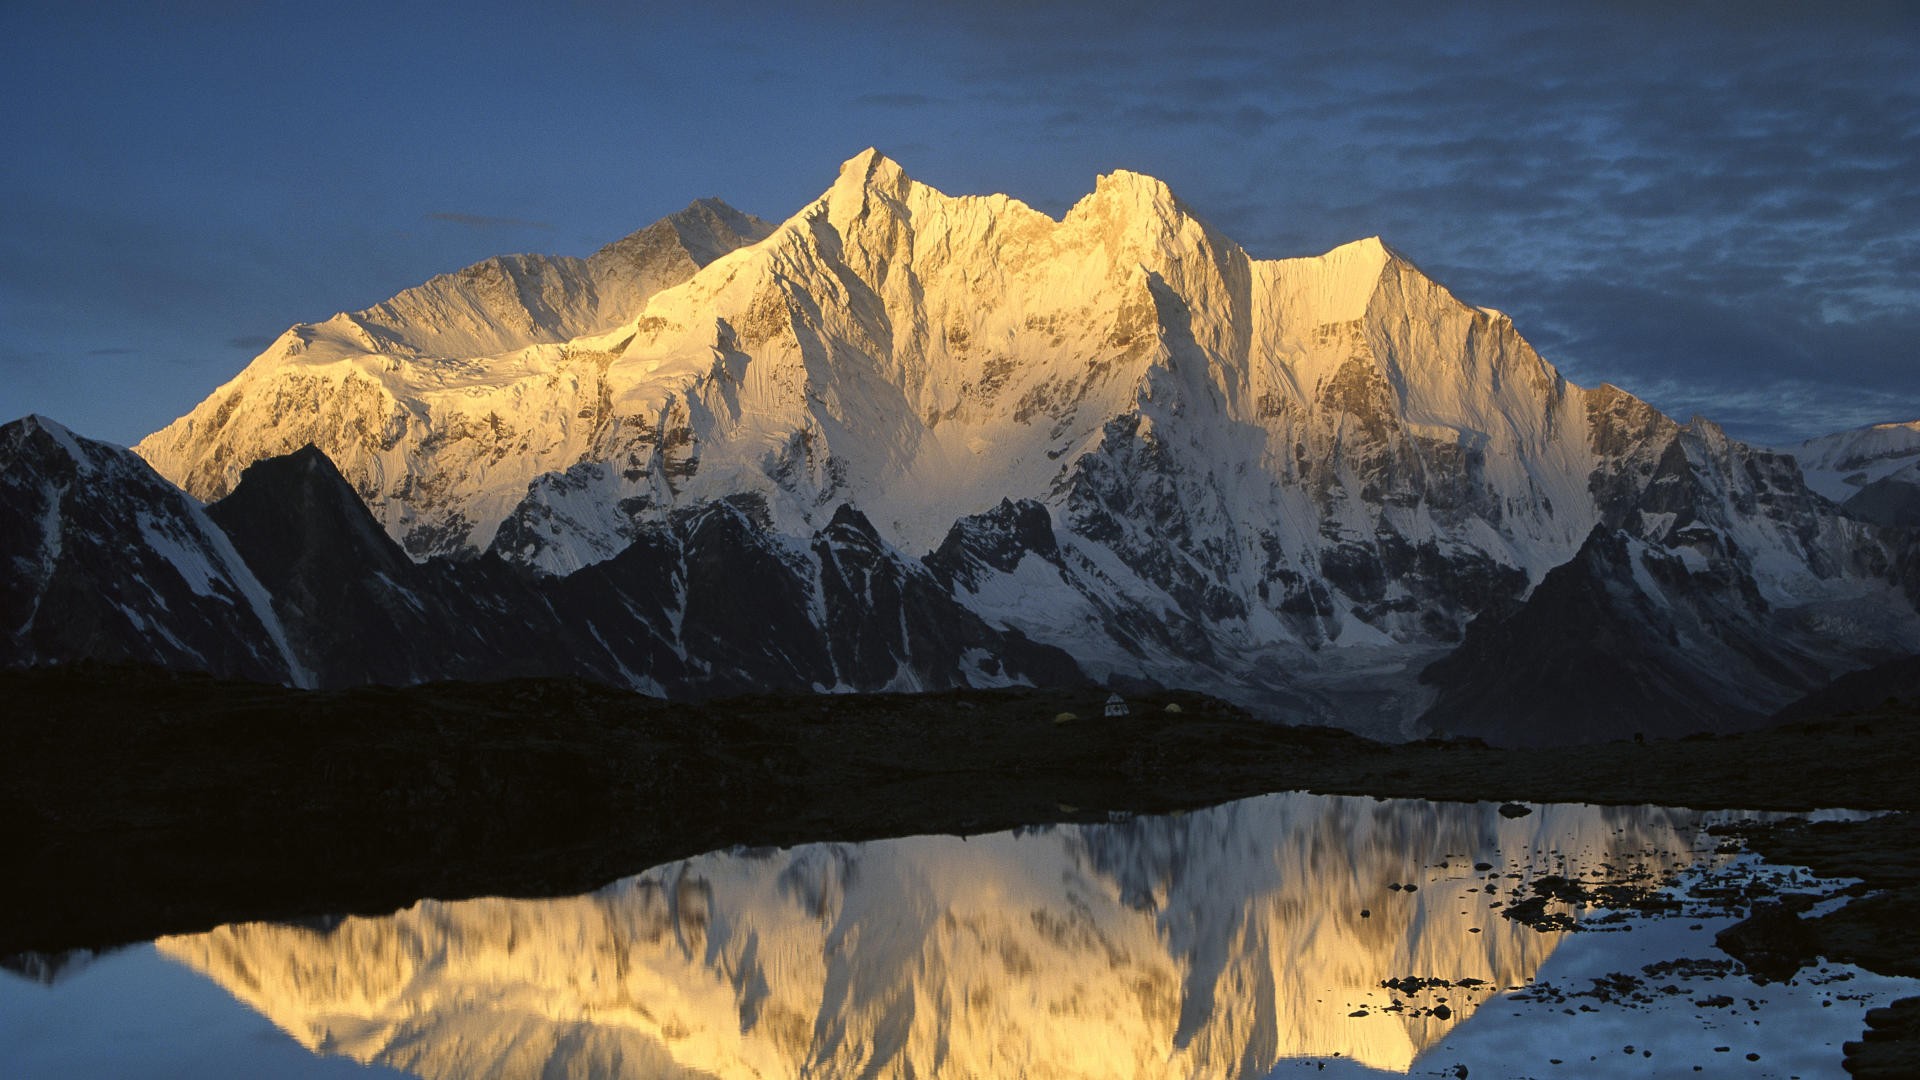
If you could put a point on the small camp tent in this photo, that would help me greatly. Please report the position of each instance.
(1116, 706)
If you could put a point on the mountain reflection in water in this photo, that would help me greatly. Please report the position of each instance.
(1209, 944)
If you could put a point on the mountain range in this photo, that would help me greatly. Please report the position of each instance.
(908, 440)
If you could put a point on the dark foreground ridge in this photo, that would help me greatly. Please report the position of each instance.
(142, 802)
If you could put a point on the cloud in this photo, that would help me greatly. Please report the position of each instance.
(1683, 199)
(482, 221)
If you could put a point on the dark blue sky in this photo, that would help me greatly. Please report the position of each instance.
(1717, 208)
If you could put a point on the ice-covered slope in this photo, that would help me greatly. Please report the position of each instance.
(1294, 481)
(1872, 472)
(1215, 944)
(926, 356)
(1839, 465)
(441, 403)
(922, 355)
(1893, 500)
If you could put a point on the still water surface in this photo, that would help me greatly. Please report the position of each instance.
(1251, 939)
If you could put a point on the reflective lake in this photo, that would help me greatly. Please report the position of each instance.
(1275, 935)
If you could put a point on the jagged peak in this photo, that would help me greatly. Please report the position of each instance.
(711, 205)
(865, 179)
(1125, 183)
(69, 443)
(33, 421)
(1128, 196)
(870, 168)
(1372, 246)
(309, 459)
(1369, 255)
(705, 230)
(272, 481)
(848, 518)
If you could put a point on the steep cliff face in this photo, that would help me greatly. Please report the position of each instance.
(1215, 944)
(1715, 577)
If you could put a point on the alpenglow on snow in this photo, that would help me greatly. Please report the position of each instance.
(1294, 481)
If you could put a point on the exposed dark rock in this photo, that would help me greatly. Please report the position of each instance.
(710, 601)
(1892, 501)
(1773, 942)
(1595, 655)
(1890, 1047)
(358, 610)
(104, 559)
(998, 539)
(1895, 682)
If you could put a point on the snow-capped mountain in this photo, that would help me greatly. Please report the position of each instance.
(105, 560)
(1839, 465)
(442, 403)
(1292, 481)
(1686, 593)
(1872, 472)
(290, 579)
(1214, 944)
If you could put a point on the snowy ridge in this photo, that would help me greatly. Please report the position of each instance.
(1840, 464)
(444, 402)
(1292, 481)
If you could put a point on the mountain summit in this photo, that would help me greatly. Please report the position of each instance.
(1296, 480)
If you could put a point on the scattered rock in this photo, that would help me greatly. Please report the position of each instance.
(1773, 942)
(1891, 1045)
